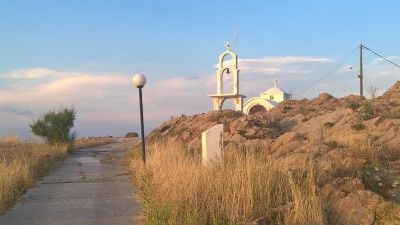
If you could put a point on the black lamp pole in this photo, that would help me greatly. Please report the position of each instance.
(142, 124)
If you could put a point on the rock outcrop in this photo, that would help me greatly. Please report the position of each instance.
(355, 141)
(131, 135)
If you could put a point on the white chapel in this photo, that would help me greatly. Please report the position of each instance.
(267, 100)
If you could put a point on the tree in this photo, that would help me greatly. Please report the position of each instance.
(55, 126)
(372, 90)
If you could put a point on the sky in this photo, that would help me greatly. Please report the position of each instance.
(85, 53)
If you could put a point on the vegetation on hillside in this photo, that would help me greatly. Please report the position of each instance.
(321, 161)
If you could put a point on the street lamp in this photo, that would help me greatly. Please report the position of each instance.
(139, 80)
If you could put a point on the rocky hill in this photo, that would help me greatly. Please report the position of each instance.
(352, 139)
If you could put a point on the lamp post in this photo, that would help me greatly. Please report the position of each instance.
(139, 80)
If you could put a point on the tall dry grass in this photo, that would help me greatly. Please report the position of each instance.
(365, 149)
(176, 189)
(21, 162)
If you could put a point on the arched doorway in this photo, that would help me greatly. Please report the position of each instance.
(257, 108)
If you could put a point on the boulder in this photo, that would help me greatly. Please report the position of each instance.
(355, 208)
(131, 135)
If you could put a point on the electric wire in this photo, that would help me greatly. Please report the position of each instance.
(327, 74)
(381, 56)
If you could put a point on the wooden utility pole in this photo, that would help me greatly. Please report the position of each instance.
(361, 71)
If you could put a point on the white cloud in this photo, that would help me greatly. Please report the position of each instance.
(391, 58)
(298, 73)
(101, 100)
(108, 103)
(286, 60)
(36, 73)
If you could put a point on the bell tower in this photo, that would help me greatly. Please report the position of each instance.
(220, 97)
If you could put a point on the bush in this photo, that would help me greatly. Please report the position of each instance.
(328, 124)
(164, 128)
(354, 106)
(242, 132)
(368, 110)
(358, 126)
(287, 108)
(333, 144)
(55, 126)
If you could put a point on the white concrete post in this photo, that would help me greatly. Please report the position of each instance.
(212, 144)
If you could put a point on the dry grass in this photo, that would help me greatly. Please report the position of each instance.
(20, 163)
(176, 189)
(364, 150)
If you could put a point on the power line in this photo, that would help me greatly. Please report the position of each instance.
(381, 56)
(327, 74)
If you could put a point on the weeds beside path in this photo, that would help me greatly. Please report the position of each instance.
(176, 189)
(21, 162)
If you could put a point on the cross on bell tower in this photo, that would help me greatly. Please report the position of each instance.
(227, 46)
(220, 97)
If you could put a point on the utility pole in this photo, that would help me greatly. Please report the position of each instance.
(361, 71)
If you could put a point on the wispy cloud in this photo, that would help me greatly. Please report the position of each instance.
(101, 100)
(21, 112)
(192, 77)
(107, 103)
(391, 58)
(297, 73)
(36, 73)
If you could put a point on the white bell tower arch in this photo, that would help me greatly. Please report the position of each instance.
(220, 97)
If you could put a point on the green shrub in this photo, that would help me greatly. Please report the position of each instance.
(242, 132)
(55, 126)
(328, 124)
(358, 126)
(354, 106)
(333, 144)
(164, 128)
(368, 110)
(287, 108)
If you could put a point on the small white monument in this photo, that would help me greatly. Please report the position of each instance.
(212, 144)
(220, 97)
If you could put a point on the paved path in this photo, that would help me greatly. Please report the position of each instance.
(90, 187)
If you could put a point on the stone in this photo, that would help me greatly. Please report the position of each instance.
(131, 135)
(212, 144)
(356, 208)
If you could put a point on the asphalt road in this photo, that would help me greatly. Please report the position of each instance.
(90, 187)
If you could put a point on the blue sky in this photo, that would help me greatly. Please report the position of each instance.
(84, 53)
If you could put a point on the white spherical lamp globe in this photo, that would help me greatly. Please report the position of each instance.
(139, 80)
